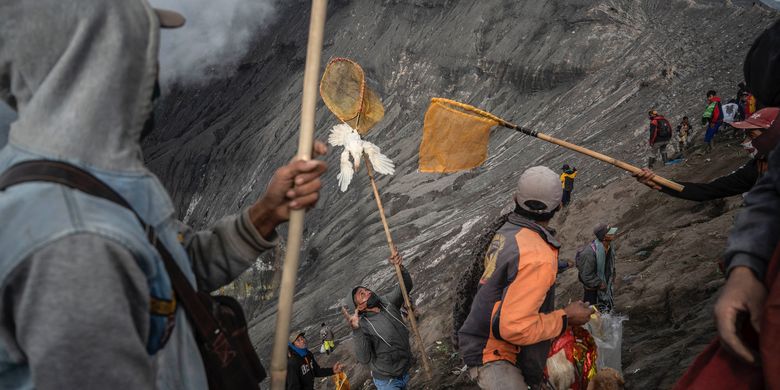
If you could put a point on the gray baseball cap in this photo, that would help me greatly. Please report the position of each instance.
(539, 190)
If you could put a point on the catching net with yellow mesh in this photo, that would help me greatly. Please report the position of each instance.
(344, 91)
(455, 136)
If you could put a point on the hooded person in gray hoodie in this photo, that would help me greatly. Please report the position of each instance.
(87, 302)
(380, 337)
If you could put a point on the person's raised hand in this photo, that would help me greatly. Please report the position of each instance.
(294, 186)
(645, 176)
(743, 293)
(354, 320)
(578, 313)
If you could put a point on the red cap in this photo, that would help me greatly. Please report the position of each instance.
(761, 119)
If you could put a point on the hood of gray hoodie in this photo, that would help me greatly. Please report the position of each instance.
(350, 301)
(80, 75)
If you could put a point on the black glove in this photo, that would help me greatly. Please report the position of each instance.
(704, 120)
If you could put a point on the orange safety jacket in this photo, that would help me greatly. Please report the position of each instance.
(514, 305)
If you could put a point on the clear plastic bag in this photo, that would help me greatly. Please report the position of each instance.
(607, 330)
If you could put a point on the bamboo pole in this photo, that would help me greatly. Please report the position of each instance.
(295, 232)
(398, 274)
(609, 160)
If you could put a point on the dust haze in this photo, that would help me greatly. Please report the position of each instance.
(214, 39)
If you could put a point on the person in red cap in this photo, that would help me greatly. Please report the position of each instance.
(747, 313)
(760, 139)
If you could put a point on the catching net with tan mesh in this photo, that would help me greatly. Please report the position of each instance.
(344, 91)
(340, 381)
(455, 136)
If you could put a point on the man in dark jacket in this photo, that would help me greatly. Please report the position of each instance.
(302, 368)
(596, 265)
(379, 336)
(506, 337)
(761, 136)
(746, 313)
(660, 134)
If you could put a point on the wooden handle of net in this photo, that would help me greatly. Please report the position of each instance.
(568, 145)
(399, 275)
(295, 231)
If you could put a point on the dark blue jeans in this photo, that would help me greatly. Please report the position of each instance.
(392, 383)
(566, 199)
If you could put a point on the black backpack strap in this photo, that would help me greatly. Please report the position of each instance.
(79, 179)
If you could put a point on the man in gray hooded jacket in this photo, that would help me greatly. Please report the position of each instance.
(379, 336)
(87, 303)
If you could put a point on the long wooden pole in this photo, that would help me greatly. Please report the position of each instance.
(295, 232)
(398, 274)
(568, 145)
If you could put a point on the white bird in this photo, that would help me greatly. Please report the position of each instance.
(344, 135)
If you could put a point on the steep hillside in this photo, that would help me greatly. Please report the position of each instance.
(585, 71)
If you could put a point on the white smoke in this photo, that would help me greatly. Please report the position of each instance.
(216, 36)
(772, 3)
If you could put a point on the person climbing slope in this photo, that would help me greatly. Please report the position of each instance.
(761, 136)
(712, 118)
(660, 134)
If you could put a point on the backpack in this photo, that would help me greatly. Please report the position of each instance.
(730, 112)
(664, 129)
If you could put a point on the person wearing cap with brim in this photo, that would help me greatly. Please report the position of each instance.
(87, 301)
(745, 353)
(596, 266)
(760, 138)
(302, 367)
(506, 336)
(380, 338)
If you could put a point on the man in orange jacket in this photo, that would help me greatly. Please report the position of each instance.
(506, 337)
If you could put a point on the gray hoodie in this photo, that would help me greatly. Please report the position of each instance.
(77, 273)
(382, 340)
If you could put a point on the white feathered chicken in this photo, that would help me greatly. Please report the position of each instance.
(344, 135)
